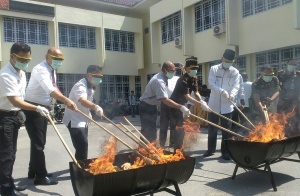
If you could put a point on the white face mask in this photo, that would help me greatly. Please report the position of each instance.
(291, 68)
(96, 80)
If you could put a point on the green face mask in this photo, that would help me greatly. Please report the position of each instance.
(291, 68)
(267, 78)
(192, 73)
(227, 65)
(170, 75)
(96, 80)
(21, 66)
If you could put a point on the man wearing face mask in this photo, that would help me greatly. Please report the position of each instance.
(12, 91)
(41, 90)
(155, 93)
(82, 94)
(289, 96)
(185, 85)
(265, 91)
(224, 82)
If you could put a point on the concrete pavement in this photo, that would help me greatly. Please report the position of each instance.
(212, 175)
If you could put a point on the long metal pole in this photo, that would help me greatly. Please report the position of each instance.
(62, 140)
(222, 128)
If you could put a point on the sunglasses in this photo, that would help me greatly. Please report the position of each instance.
(56, 57)
(22, 59)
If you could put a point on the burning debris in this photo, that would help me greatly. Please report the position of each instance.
(274, 129)
(192, 130)
(105, 164)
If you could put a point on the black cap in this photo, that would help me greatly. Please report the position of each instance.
(191, 62)
(229, 55)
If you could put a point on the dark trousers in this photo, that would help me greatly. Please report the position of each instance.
(213, 131)
(36, 126)
(148, 115)
(132, 107)
(79, 138)
(177, 120)
(9, 128)
(165, 121)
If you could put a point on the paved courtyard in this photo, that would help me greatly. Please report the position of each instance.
(211, 176)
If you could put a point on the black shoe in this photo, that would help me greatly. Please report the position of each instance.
(21, 188)
(32, 175)
(17, 193)
(44, 181)
(226, 156)
(208, 153)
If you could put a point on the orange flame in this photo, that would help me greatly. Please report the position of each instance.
(104, 164)
(192, 130)
(271, 130)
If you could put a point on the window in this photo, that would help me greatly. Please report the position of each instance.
(119, 41)
(65, 82)
(209, 13)
(138, 88)
(240, 64)
(75, 36)
(149, 76)
(251, 7)
(170, 27)
(276, 58)
(199, 74)
(25, 30)
(115, 87)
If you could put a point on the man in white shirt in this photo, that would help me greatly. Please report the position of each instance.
(223, 80)
(12, 91)
(82, 94)
(41, 90)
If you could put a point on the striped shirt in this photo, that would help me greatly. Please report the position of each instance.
(155, 90)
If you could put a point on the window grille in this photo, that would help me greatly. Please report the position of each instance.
(240, 64)
(138, 87)
(114, 87)
(251, 7)
(75, 36)
(171, 27)
(25, 30)
(149, 76)
(277, 59)
(209, 13)
(122, 41)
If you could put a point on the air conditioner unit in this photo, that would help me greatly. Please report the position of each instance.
(178, 41)
(219, 29)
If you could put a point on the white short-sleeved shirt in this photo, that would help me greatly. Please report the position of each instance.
(79, 90)
(11, 84)
(40, 85)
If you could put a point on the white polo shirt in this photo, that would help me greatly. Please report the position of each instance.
(11, 84)
(79, 90)
(40, 85)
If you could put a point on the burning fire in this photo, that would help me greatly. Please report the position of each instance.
(192, 130)
(271, 130)
(104, 164)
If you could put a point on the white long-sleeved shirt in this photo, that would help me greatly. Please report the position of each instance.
(247, 91)
(220, 79)
(240, 94)
(40, 85)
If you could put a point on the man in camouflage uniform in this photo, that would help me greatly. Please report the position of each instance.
(289, 96)
(265, 92)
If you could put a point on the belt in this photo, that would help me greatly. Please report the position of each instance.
(9, 113)
(48, 107)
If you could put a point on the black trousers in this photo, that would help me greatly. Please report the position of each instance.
(177, 120)
(9, 129)
(165, 121)
(213, 131)
(79, 138)
(148, 115)
(36, 126)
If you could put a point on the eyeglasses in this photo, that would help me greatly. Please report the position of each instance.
(56, 57)
(22, 59)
